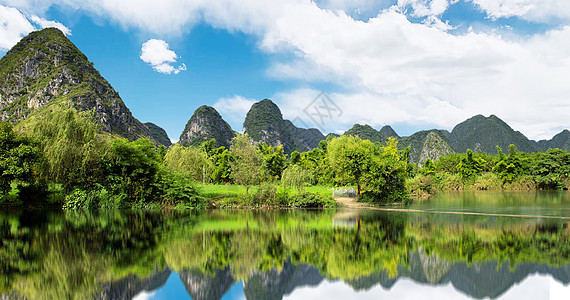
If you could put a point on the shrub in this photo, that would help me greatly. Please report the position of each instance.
(421, 185)
(311, 200)
(487, 182)
(451, 182)
(181, 191)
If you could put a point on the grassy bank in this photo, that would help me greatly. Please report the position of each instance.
(265, 196)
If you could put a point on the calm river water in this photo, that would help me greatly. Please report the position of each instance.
(508, 246)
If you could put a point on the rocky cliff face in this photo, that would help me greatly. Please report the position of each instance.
(264, 123)
(46, 69)
(421, 144)
(201, 286)
(130, 286)
(434, 146)
(204, 125)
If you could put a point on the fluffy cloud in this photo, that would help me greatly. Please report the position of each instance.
(43, 23)
(234, 109)
(531, 10)
(14, 25)
(157, 54)
(393, 69)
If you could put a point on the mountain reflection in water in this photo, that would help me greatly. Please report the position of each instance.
(278, 254)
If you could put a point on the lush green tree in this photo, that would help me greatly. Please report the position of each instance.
(190, 161)
(273, 160)
(429, 168)
(551, 169)
(470, 165)
(71, 148)
(351, 158)
(247, 166)
(295, 157)
(18, 154)
(508, 168)
(132, 169)
(386, 177)
(294, 176)
(221, 159)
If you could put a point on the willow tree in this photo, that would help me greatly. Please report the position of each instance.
(188, 161)
(247, 166)
(71, 147)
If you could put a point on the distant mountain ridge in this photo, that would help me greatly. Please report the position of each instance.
(264, 123)
(45, 69)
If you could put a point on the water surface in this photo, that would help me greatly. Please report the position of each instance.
(293, 254)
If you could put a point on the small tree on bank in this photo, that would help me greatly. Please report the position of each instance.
(247, 167)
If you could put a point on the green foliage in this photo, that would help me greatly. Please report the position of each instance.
(132, 169)
(190, 161)
(551, 169)
(71, 148)
(247, 166)
(273, 160)
(181, 191)
(18, 155)
(470, 165)
(311, 200)
(488, 182)
(351, 158)
(295, 177)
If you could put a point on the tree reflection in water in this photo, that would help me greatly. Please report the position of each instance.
(117, 254)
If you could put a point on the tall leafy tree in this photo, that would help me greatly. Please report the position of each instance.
(351, 158)
(273, 160)
(247, 166)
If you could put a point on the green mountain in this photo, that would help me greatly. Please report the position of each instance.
(387, 131)
(45, 71)
(264, 123)
(560, 141)
(204, 125)
(484, 134)
(426, 144)
(158, 134)
(366, 132)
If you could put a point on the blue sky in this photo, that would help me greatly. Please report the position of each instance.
(412, 64)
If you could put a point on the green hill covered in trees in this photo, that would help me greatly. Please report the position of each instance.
(204, 125)
(44, 70)
(264, 123)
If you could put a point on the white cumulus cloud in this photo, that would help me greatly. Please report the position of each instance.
(14, 25)
(43, 23)
(531, 10)
(157, 54)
